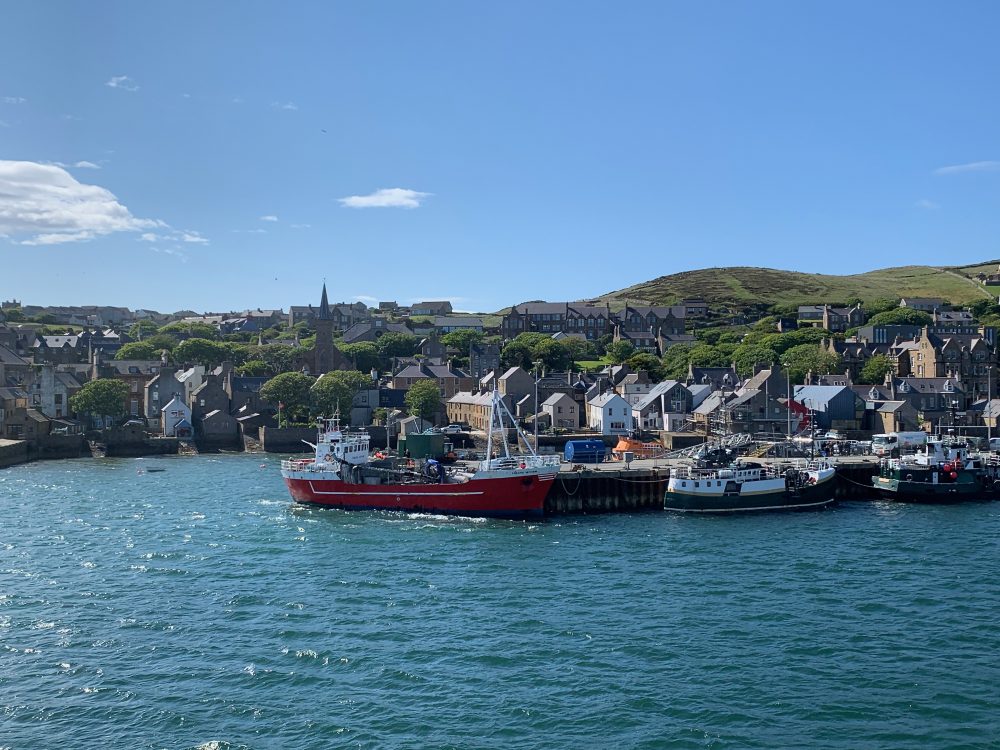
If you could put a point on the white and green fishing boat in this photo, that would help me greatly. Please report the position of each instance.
(746, 486)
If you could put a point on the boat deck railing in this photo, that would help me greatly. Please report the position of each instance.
(521, 462)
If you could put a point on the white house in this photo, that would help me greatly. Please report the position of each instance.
(609, 414)
(192, 380)
(562, 411)
(176, 418)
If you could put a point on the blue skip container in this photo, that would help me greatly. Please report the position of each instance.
(585, 451)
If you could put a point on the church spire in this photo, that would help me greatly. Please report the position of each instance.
(324, 306)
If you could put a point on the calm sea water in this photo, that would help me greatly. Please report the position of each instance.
(197, 608)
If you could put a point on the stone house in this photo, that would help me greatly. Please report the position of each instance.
(473, 409)
(449, 323)
(483, 358)
(217, 428)
(372, 330)
(450, 380)
(833, 319)
(437, 307)
(159, 390)
(665, 405)
(135, 373)
(51, 391)
(516, 383)
(923, 304)
(970, 359)
(563, 411)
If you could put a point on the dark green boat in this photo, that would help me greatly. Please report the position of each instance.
(940, 473)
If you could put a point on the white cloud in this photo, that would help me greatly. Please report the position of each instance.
(249, 231)
(149, 237)
(269, 217)
(301, 226)
(927, 205)
(74, 165)
(47, 203)
(975, 166)
(14, 100)
(291, 106)
(122, 82)
(237, 100)
(194, 237)
(174, 251)
(385, 198)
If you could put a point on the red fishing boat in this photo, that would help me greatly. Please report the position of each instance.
(343, 474)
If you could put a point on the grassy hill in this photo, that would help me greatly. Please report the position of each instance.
(746, 285)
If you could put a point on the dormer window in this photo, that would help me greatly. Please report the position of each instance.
(949, 387)
(873, 394)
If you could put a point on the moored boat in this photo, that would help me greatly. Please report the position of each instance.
(941, 472)
(342, 474)
(638, 449)
(749, 486)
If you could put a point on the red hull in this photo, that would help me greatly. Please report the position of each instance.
(500, 497)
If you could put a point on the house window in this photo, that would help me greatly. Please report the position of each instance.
(134, 407)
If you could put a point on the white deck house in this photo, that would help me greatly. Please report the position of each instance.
(609, 414)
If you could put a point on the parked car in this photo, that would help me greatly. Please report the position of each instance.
(452, 429)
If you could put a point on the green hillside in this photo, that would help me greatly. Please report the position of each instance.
(746, 285)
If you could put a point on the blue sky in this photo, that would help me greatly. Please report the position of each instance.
(214, 156)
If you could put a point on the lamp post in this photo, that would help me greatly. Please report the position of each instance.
(535, 420)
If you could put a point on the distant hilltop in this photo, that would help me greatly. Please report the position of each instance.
(764, 287)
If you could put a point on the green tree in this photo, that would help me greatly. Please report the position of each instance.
(161, 341)
(279, 358)
(423, 399)
(881, 305)
(363, 354)
(901, 316)
(619, 351)
(236, 352)
(143, 329)
(747, 355)
(391, 345)
(579, 348)
(676, 360)
(552, 354)
(183, 330)
(703, 355)
(648, 362)
(462, 339)
(875, 369)
(292, 391)
(805, 358)
(200, 351)
(103, 397)
(253, 368)
(516, 354)
(137, 350)
(336, 390)
(14, 315)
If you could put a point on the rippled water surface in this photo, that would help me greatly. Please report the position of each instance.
(196, 607)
